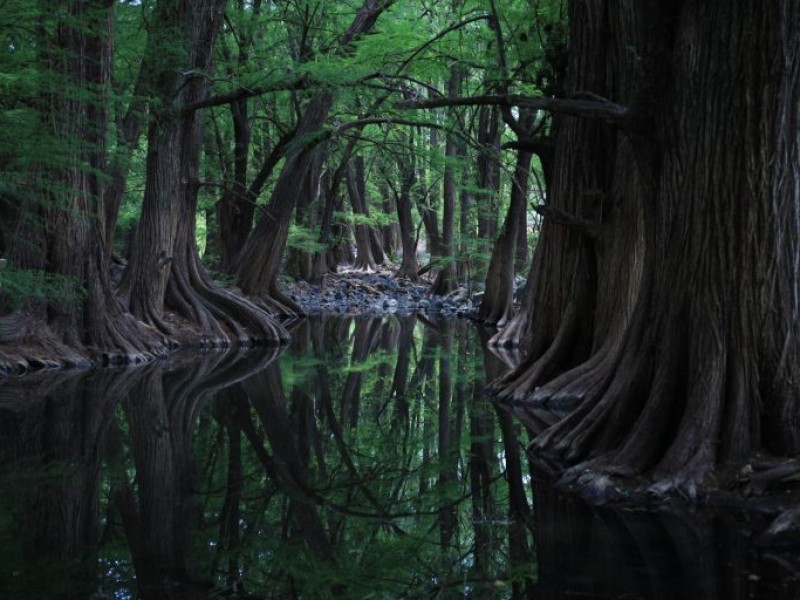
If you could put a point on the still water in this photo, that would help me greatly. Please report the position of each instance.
(364, 461)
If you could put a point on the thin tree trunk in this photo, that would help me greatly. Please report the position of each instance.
(488, 173)
(497, 305)
(405, 165)
(364, 257)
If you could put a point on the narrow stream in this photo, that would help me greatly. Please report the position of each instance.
(364, 461)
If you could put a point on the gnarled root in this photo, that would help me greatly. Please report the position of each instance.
(512, 335)
(222, 317)
(520, 383)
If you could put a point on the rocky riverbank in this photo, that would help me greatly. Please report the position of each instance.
(380, 293)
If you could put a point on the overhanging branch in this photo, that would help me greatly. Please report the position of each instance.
(534, 145)
(593, 108)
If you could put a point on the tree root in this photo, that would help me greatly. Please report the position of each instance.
(278, 304)
(219, 317)
(513, 334)
(783, 531)
(520, 384)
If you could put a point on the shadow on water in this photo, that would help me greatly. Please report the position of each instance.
(365, 461)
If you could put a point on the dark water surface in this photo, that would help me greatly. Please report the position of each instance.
(362, 462)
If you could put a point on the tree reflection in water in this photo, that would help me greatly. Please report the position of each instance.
(365, 461)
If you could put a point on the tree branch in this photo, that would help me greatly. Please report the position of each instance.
(598, 108)
(247, 92)
(561, 217)
(534, 145)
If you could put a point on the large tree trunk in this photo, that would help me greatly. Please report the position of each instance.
(262, 255)
(164, 270)
(301, 258)
(63, 229)
(685, 246)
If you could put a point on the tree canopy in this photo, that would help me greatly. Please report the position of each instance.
(184, 147)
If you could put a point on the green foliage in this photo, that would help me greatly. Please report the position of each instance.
(283, 53)
(303, 238)
(19, 286)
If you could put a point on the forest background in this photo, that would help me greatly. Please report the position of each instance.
(155, 154)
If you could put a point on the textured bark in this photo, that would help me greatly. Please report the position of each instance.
(62, 228)
(164, 273)
(681, 242)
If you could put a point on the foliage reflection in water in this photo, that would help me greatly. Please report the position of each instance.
(364, 461)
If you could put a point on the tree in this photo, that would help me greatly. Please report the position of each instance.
(60, 227)
(445, 279)
(164, 269)
(496, 307)
(356, 189)
(664, 302)
(260, 258)
(402, 192)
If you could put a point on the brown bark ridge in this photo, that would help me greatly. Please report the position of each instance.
(62, 226)
(164, 281)
(665, 298)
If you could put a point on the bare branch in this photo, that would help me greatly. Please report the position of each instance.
(599, 108)
(534, 145)
(247, 92)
